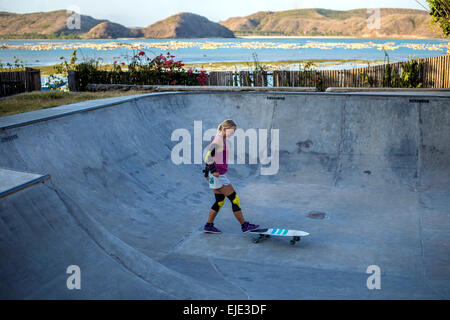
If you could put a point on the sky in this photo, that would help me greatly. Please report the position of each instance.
(141, 13)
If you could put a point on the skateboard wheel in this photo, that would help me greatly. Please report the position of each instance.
(292, 242)
(296, 238)
(255, 240)
(267, 235)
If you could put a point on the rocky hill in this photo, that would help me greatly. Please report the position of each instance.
(401, 23)
(110, 30)
(186, 25)
(43, 23)
(53, 24)
(395, 23)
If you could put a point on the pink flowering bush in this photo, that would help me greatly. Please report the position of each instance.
(163, 69)
(141, 69)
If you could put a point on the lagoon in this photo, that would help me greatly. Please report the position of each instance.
(352, 52)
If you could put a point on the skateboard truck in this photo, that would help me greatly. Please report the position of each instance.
(260, 237)
(294, 240)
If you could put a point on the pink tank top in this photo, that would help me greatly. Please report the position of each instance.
(221, 166)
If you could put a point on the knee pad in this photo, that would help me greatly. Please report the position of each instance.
(220, 200)
(235, 202)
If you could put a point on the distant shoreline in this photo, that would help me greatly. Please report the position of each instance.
(346, 37)
(242, 37)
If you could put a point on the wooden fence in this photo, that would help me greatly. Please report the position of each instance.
(19, 81)
(435, 73)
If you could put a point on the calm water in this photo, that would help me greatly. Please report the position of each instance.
(48, 52)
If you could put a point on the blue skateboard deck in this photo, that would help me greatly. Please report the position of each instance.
(267, 233)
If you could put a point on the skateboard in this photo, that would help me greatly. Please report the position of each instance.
(266, 233)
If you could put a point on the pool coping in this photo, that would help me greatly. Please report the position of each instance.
(27, 118)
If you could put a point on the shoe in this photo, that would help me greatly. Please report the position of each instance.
(209, 228)
(246, 227)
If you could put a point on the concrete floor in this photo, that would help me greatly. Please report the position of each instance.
(378, 165)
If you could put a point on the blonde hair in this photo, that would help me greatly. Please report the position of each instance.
(226, 124)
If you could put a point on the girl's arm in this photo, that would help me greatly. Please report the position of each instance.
(209, 159)
(215, 146)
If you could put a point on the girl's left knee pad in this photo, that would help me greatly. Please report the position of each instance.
(235, 202)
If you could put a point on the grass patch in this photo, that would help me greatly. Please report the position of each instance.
(31, 101)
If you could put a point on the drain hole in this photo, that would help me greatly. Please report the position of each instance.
(316, 215)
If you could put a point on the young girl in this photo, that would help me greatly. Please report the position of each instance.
(215, 173)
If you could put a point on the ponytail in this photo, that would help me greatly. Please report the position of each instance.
(227, 124)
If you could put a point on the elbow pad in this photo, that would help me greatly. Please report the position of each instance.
(209, 168)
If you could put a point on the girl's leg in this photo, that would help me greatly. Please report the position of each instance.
(213, 213)
(228, 191)
(220, 200)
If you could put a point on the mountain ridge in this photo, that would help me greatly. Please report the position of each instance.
(395, 22)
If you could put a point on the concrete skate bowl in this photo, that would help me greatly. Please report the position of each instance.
(376, 165)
